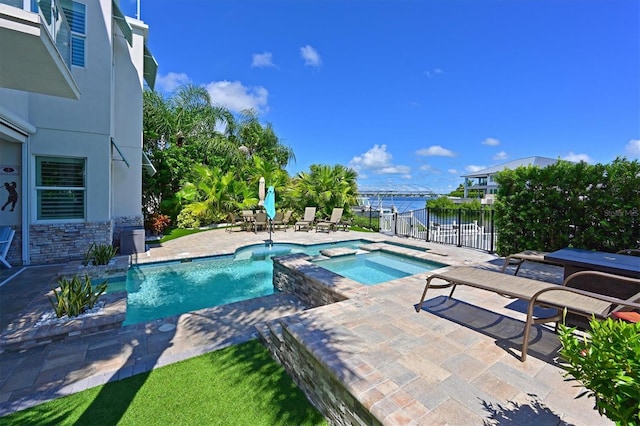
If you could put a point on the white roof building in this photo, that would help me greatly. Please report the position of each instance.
(484, 180)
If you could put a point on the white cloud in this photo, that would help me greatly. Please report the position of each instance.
(262, 60)
(500, 156)
(170, 82)
(435, 150)
(491, 142)
(236, 97)
(433, 72)
(378, 161)
(311, 56)
(577, 157)
(453, 171)
(633, 148)
(473, 168)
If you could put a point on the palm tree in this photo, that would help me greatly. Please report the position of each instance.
(213, 194)
(326, 187)
(254, 139)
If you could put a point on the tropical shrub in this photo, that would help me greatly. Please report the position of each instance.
(75, 296)
(190, 218)
(365, 222)
(157, 223)
(99, 254)
(607, 363)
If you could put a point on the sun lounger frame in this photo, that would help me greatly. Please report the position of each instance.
(526, 256)
(538, 293)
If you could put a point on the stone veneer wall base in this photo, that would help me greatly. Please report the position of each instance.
(315, 379)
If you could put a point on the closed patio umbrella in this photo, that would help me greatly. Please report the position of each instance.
(261, 192)
(270, 207)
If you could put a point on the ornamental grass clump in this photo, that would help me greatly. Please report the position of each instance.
(75, 296)
(607, 364)
(99, 254)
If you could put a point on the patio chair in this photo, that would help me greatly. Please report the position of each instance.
(248, 217)
(526, 256)
(629, 252)
(345, 224)
(538, 293)
(260, 221)
(282, 219)
(307, 221)
(332, 222)
(6, 236)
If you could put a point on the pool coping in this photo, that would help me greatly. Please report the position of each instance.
(25, 333)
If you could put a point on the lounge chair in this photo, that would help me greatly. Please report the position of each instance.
(6, 236)
(260, 221)
(307, 221)
(282, 219)
(539, 293)
(526, 256)
(332, 222)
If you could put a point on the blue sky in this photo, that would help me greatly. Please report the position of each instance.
(414, 93)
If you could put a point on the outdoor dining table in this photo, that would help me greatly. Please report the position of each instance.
(248, 219)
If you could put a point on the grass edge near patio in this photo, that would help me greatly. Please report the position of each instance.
(240, 384)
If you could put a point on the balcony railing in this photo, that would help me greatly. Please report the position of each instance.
(53, 19)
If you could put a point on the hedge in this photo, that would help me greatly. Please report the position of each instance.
(569, 204)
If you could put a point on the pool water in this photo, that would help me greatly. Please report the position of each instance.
(172, 288)
(377, 267)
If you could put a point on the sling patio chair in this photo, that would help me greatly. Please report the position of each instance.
(307, 221)
(332, 222)
(282, 219)
(538, 293)
(6, 236)
(260, 221)
(525, 256)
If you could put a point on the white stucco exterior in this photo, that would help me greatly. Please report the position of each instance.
(108, 111)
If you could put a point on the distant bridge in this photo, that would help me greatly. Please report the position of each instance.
(398, 191)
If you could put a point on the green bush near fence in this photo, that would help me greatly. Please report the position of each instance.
(581, 205)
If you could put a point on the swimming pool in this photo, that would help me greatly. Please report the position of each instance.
(172, 288)
(377, 267)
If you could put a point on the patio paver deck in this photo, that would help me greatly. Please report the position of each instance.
(452, 363)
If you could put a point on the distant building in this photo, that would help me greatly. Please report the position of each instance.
(72, 77)
(484, 182)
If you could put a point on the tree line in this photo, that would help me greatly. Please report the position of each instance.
(209, 162)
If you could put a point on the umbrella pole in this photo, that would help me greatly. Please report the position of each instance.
(270, 229)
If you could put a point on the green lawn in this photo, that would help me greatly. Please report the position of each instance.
(239, 385)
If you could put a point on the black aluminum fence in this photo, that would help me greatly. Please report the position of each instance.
(460, 227)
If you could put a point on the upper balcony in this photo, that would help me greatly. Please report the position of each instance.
(35, 47)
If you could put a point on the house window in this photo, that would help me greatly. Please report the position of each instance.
(76, 15)
(60, 188)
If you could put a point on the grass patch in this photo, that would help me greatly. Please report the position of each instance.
(239, 385)
(360, 229)
(173, 233)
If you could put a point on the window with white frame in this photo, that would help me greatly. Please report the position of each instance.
(60, 188)
(77, 17)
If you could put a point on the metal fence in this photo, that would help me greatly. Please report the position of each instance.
(460, 227)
